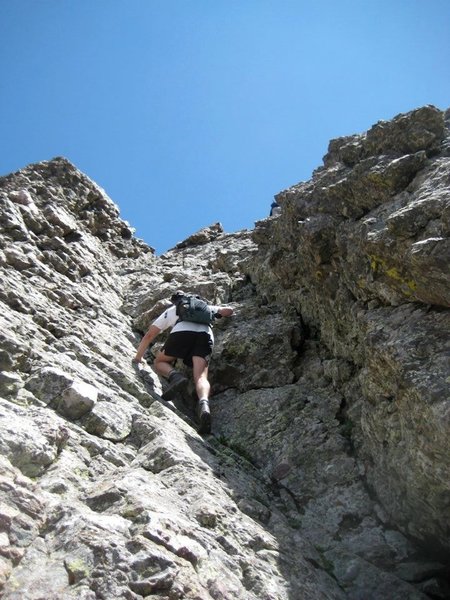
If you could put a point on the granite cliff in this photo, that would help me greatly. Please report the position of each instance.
(328, 472)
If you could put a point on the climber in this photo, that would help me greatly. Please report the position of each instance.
(191, 341)
(275, 209)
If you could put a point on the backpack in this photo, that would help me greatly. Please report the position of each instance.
(195, 309)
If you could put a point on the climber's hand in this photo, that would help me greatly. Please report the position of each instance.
(137, 365)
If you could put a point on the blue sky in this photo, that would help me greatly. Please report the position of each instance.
(189, 112)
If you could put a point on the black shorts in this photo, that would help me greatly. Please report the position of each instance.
(186, 344)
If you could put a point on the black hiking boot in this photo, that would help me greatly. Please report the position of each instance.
(177, 382)
(204, 416)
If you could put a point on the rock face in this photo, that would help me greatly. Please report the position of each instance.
(328, 474)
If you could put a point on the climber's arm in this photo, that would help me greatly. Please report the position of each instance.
(225, 311)
(148, 338)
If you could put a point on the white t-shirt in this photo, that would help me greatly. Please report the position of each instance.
(169, 318)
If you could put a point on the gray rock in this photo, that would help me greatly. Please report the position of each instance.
(202, 237)
(76, 400)
(49, 383)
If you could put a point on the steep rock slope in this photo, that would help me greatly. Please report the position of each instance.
(106, 492)
(328, 473)
(362, 253)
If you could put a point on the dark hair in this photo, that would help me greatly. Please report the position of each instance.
(175, 298)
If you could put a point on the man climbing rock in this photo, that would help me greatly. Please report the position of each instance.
(191, 339)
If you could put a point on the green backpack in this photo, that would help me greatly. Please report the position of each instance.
(195, 309)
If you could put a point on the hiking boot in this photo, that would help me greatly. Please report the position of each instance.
(177, 382)
(204, 416)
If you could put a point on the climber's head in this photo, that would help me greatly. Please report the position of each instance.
(175, 298)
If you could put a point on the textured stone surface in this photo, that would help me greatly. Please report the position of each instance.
(328, 472)
(359, 284)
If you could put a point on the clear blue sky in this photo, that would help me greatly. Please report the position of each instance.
(189, 112)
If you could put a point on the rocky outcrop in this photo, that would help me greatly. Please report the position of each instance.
(328, 472)
(362, 254)
(106, 492)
